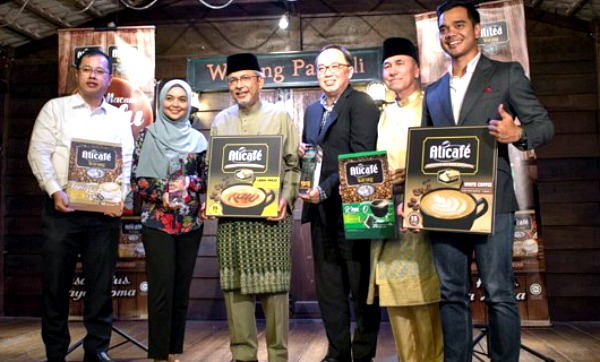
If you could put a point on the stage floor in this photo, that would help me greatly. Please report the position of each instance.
(208, 341)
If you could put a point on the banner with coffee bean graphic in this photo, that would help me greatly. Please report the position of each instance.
(450, 179)
(131, 51)
(244, 176)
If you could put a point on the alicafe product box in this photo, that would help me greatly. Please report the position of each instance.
(311, 169)
(130, 239)
(526, 242)
(367, 196)
(244, 177)
(450, 179)
(94, 179)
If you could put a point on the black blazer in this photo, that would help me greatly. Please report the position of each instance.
(351, 127)
(493, 83)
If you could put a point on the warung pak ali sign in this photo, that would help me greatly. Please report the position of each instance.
(293, 69)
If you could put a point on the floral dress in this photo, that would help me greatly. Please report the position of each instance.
(154, 214)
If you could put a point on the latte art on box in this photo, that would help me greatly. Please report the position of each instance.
(447, 204)
(110, 191)
(242, 196)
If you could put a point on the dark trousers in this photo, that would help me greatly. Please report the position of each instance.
(95, 237)
(452, 254)
(170, 262)
(342, 268)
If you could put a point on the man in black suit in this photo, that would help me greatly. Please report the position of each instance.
(479, 91)
(342, 121)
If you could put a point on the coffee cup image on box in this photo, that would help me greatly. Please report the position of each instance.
(379, 207)
(451, 208)
(245, 199)
(109, 191)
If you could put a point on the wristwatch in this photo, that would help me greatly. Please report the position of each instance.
(522, 142)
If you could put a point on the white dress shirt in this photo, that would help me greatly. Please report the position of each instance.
(64, 118)
(459, 85)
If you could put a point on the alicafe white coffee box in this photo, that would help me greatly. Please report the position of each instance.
(94, 179)
(367, 196)
(244, 177)
(450, 179)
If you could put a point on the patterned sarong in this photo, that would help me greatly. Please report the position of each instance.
(254, 255)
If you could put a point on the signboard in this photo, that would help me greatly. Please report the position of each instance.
(129, 291)
(293, 69)
(450, 179)
(244, 176)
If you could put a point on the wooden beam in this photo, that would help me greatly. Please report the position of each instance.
(51, 18)
(89, 9)
(536, 3)
(596, 25)
(17, 29)
(558, 20)
(577, 5)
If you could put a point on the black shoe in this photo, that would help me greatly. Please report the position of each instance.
(104, 357)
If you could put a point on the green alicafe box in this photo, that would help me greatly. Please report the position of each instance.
(244, 177)
(450, 179)
(367, 196)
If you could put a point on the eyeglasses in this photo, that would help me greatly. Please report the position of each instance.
(333, 68)
(244, 79)
(98, 71)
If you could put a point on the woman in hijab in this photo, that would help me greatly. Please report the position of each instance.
(169, 173)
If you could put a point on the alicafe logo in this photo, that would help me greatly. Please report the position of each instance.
(246, 156)
(364, 172)
(94, 157)
(460, 153)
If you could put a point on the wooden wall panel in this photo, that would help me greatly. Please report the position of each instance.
(24, 244)
(577, 83)
(574, 308)
(569, 102)
(572, 237)
(574, 122)
(572, 146)
(22, 225)
(569, 214)
(208, 309)
(571, 67)
(569, 168)
(569, 191)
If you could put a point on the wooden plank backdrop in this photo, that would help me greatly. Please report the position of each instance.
(561, 60)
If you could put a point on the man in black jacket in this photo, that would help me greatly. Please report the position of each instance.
(342, 121)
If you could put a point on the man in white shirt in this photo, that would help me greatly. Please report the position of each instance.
(69, 233)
